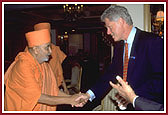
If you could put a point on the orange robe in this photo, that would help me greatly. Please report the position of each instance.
(56, 63)
(25, 80)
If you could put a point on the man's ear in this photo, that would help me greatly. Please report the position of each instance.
(35, 49)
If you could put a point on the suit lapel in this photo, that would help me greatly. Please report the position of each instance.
(121, 60)
(133, 55)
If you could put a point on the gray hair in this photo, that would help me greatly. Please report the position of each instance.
(114, 12)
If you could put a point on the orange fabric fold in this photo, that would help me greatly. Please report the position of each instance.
(23, 84)
(49, 85)
(25, 80)
(56, 63)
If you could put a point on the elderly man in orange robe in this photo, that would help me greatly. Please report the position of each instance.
(30, 82)
(57, 57)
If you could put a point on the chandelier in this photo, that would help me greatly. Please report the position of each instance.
(73, 12)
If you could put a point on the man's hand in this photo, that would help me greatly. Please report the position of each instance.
(75, 100)
(122, 102)
(124, 89)
(82, 99)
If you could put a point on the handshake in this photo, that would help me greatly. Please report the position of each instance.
(79, 100)
(124, 96)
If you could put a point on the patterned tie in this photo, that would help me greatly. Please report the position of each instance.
(125, 68)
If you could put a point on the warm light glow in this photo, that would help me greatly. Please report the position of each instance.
(160, 16)
(59, 36)
(65, 36)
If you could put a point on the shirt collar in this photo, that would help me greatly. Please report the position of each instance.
(131, 36)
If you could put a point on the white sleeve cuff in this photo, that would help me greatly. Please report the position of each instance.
(134, 101)
(92, 96)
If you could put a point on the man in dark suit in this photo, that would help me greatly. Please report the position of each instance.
(139, 103)
(145, 53)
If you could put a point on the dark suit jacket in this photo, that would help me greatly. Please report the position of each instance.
(147, 105)
(145, 68)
